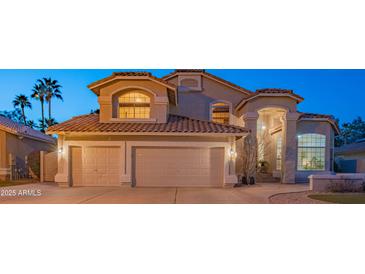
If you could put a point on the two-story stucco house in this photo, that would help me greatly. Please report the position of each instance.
(182, 130)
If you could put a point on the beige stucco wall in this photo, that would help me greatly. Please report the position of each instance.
(196, 104)
(3, 163)
(319, 127)
(19, 148)
(157, 92)
(264, 102)
(3, 158)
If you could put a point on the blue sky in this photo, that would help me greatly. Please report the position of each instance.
(337, 92)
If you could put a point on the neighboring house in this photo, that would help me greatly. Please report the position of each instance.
(16, 143)
(351, 158)
(183, 130)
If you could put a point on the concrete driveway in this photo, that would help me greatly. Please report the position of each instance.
(52, 194)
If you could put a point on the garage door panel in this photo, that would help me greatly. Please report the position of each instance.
(99, 166)
(179, 166)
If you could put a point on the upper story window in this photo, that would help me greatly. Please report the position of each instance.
(134, 105)
(220, 113)
(311, 152)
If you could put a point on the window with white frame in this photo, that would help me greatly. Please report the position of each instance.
(311, 151)
(134, 105)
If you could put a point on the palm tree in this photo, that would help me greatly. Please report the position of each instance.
(52, 88)
(51, 122)
(39, 93)
(22, 101)
(31, 124)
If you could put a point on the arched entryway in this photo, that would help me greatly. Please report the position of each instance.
(270, 128)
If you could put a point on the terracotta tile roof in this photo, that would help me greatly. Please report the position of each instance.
(203, 72)
(270, 92)
(21, 130)
(314, 115)
(277, 91)
(190, 70)
(175, 124)
(131, 74)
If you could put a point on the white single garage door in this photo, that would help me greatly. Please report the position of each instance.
(99, 166)
(185, 167)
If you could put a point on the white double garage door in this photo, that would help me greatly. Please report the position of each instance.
(151, 166)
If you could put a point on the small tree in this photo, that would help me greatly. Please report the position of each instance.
(247, 157)
(264, 143)
(351, 132)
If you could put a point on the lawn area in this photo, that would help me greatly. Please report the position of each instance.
(15, 183)
(344, 198)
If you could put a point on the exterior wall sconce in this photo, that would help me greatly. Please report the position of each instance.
(232, 153)
(60, 150)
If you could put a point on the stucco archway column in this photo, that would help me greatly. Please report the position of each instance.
(289, 147)
(250, 121)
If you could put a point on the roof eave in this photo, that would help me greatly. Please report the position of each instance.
(146, 133)
(19, 134)
(297, 98)
(95, 86)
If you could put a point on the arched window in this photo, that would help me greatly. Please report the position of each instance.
(220, 113)
(311, 151)
(134, 105)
